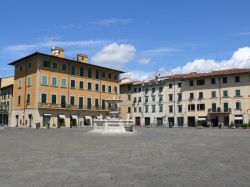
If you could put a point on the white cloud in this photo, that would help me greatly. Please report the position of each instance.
(138, 75)
(114, 55)
(48, 43)
(112, 21)
(160, 51)
(240, 59)
(144, 61)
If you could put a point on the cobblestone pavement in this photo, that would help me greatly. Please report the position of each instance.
(153, 157)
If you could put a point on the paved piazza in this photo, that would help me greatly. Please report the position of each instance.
(154, 157)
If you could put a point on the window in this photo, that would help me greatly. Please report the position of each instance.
(200, 82)
(170, 108)
(64, 67)
(110, 76)
(44, 80)
(191, 82)
(81, 84)
(53, 99)
(226, 109)
(224, 80)
(180, 108)
(153, 90)
(179, 97)
(129, 109)
(237, 93)
(72, 83)
(96, 103)
(29, 80)
(89, 103)
(19, 100)
(213, 81)
(191, 107)
(153, 108)
(116, 77)
(96, 87)
(200, 95)
(103, 104)
(146, 109)
(103, 88)
(139, 100)
(238, 105)
(103, 74)
(139, 109)
(160, 98)
(63, 101)
(20, 69)
(80, 102)
(20, 83)
(46, 64)
(89, 73)
(200, 107)
(81, 71)
(134, 99)
(110, 89)
(28, 98)
(213, 107)
(54, 65)
(161, 108)
(43, 98)
(63, 83)
(146, 99)
(160, 89)
(170, 86)
(97, 76)
(89, 86)
(54, 81)
(179, 85)
(29, 65)
(72, 100)
(153, 98)
(170, 97)
(146, 90)
(191, 95)
(213, 94)
(72, 70)
(237, 78)
(139, 89)
(116, 90)
(135, 90)
(135, 109)
(225, 93)
(129, 97)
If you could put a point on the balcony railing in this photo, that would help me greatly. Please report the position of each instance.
(219, 110)
(72, 107)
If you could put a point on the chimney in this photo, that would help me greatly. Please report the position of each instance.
(56, 51)
(82, 58)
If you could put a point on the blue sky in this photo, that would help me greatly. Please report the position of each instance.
(140, 37)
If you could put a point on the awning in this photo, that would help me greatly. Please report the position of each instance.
(74, 116)
(202, 119)
(62, 116)
(238, 118)
(47, 114)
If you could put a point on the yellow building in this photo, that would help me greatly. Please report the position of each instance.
(52, 90)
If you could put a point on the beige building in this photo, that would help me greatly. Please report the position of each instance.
(6, 93)
(55, 91)
(185, 100)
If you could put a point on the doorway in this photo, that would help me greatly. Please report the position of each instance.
(147, 121)
(191, 121)
(159, 122)
(137, 121)
(214, 121)
(171, 121)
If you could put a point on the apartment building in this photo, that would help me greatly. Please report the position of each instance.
(6, 93)
(56, 91)
(125, 96)
(185, 100)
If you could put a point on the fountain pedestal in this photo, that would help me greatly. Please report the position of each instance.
(113, 124)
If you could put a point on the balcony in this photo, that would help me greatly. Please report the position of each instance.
(4, 108)
(72, 107)
(218, 110)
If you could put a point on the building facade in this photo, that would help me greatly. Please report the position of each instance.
(55, 91)
(6, 93)
(186, 100)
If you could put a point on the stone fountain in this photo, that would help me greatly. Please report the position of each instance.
(113, 124)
